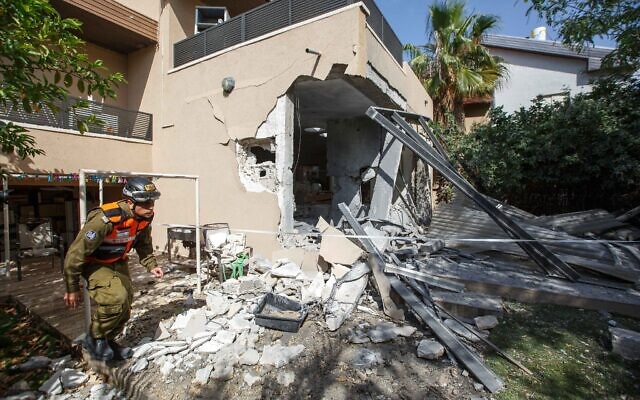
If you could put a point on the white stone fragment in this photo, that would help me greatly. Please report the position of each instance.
(102, 391)
(234, 308)
(143, 349)
(225, 337)
(195, 324)
(366, 359)
(405, 330)
(250, 357)
(217, 304)
(313, 292)
(139, 365)
(212, 346)
(486, 322)
(71, 378)
(202, 375)
(222, 371)
(167, 368)
(286, 378)
(383, 332)
(430, 349)
(278, 355)
(287, 270)
(161, 332)
(239, 324)
(53, 385)
(328, 288)
(251, 379)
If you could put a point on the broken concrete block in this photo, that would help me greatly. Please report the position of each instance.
(60, 363)
(365, 359)
(234, 308)
(278, 355)
(71, 378)
(212, 346)
(143, 349)
(35, 362)
(167, 368)
(383, 332)
(486, 322)
(430, 349)
(345, 297)
(202, 375)
(231, 286)
(139, 365)
(222, 372)
(225, 337)
(313, 292)
(217, 304)
(625, 343)
(287, 270)
(195, 324)
(250, 357)
(286, 378)
(335, 247)
(405, 330)
(166, 351)
(250, 378)
(239, 324)
(162, 332)
(251, 284)
(328, 288)
(339, 270)
(53, 385)
(102, 391)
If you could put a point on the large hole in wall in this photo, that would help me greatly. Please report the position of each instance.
(256, 162)
(311, 184)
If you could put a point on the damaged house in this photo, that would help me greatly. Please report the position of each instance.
(264, 101)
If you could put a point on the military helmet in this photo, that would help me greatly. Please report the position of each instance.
(140, 190)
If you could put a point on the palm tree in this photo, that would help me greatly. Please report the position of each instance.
(454, 65)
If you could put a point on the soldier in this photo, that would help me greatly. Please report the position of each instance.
(99, 254)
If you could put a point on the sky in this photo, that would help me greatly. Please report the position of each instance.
(407, 18)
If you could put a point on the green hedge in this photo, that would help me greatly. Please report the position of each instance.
(578, 154)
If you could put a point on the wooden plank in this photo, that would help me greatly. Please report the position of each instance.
(468, 304)
(492, 382)
(537, 288)
(422, 277)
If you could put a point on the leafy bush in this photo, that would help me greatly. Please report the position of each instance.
(581, 153)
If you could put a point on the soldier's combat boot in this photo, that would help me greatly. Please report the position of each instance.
(99, 349)
(120, 352)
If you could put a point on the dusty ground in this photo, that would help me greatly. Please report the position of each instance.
(324, 371)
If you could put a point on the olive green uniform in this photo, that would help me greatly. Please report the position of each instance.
(109, 285)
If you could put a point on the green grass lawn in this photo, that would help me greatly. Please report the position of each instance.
(21, 337)
(567, 349)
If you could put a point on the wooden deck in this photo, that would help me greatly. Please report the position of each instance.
(41, 291)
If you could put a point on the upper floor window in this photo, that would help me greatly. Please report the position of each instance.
(207, 16)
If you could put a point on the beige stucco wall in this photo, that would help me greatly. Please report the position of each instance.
(149, 8)
(200, 122)
(68, 152)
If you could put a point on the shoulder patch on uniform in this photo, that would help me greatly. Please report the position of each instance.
(91, 235)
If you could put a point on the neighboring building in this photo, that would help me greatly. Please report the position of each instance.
(536, 68)
(288, 143)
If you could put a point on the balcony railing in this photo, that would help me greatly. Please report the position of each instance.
(271, 17)
(117, 121)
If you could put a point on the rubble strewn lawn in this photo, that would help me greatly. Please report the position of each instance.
(568, 351)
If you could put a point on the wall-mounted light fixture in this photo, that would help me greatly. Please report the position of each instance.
(228, 84)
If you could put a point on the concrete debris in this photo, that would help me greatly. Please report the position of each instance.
(286, 378)
(211, 346)
(313, 292)
(486, 322)
(194, 325)
(345, 296)
(286, 270)
(33, 363)
(225, 337)
(162, 332)
(103, 391)
(167, 368)
(250, 379)
(366, 359)
(335, 247)
(222, 371)
(625, 343)
(430, 349)
(202, 375)
(60, 363)
(233, 309)
(278, 355)
(70, 378)
(139, 365)
(53, 385)
(383, 332)
(250, 357)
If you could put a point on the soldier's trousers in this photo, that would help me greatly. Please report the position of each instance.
(110, 287)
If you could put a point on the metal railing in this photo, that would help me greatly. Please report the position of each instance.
(270, 17)
(117, 121)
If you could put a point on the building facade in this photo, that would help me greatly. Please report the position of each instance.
(281, 142)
